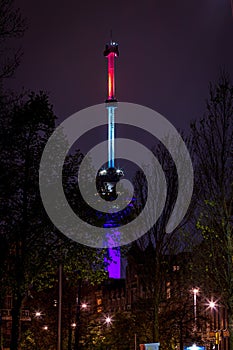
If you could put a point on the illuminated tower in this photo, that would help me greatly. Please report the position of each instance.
(111, 51)
(108, 177)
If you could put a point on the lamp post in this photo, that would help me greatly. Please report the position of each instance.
(195, 292)
(212, 307)
(59, 309)
(70, 337)
(108, 322)
(73, 327)
(38, 315)
(77, 319)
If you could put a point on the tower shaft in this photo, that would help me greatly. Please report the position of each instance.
(111, 135)
(112, 174)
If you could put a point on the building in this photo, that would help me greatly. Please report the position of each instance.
(6, 322)
(186, 314)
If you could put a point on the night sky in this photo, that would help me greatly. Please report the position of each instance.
(169, 52)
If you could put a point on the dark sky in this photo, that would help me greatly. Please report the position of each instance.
(169, 52)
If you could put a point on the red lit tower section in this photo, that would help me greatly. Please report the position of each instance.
(111, 52)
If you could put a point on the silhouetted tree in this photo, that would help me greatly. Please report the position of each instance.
(157, 246)
(12, 25)
(34, 248)
(213, 145)
(25, 226)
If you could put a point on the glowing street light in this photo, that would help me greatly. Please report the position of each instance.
(84, 306)
(108, 320)
(38, 314)
(212, 304)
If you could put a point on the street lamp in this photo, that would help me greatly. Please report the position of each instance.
(212, 305)
(108, 320)
(105, 330)
(84, 306)
(195, 292)
(38, 314)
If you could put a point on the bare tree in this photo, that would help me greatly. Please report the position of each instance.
(158, 245)
(12, 25)
(213, 146)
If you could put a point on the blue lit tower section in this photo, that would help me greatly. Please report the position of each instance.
(111, 133)
(109, 177)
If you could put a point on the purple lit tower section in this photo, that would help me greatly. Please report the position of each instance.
(111, 175)
(114, 255)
